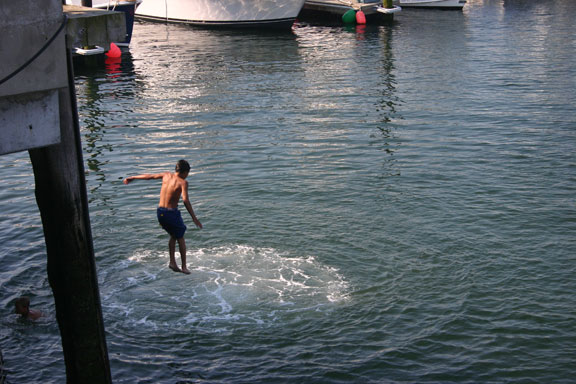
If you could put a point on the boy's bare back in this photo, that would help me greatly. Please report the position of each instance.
(172, 188)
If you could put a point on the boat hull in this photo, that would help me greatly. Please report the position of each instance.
(223, 13)
(439, 4)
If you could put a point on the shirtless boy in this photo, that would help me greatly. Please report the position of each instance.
(174, 185)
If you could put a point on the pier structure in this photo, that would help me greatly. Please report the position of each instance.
(38, 114)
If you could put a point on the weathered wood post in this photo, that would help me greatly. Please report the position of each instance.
(38, 113)
(62, 200)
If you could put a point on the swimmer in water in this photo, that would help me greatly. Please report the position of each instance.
(174, 186)
(22, 307)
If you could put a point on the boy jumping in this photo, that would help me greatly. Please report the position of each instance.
(174, 185)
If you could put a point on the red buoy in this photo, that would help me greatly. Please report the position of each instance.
(360, 17)
(114, 51)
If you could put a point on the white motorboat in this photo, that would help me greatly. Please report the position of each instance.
(223, 13)
(444, 4)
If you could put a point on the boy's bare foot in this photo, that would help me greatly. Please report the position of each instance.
(174, 268)
(185, 271)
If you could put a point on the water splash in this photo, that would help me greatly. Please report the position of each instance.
(229, 286)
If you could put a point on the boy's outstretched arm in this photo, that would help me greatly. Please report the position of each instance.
(148, 176)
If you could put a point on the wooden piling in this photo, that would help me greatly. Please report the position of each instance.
(2, 372)
(62, 200)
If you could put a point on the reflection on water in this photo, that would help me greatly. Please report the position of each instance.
(388, 104)
(105, 94)
(213, 68)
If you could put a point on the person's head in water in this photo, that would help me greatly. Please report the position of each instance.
(182, 167)
(22, 306)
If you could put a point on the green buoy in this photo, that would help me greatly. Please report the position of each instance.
(349, 17)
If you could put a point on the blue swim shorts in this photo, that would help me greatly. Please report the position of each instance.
(171, 220)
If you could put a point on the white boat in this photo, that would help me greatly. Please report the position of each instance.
(223, 13)
(444, 4)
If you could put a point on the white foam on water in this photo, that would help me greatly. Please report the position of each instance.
(229, 286)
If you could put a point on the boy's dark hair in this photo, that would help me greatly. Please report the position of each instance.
(182, 166)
